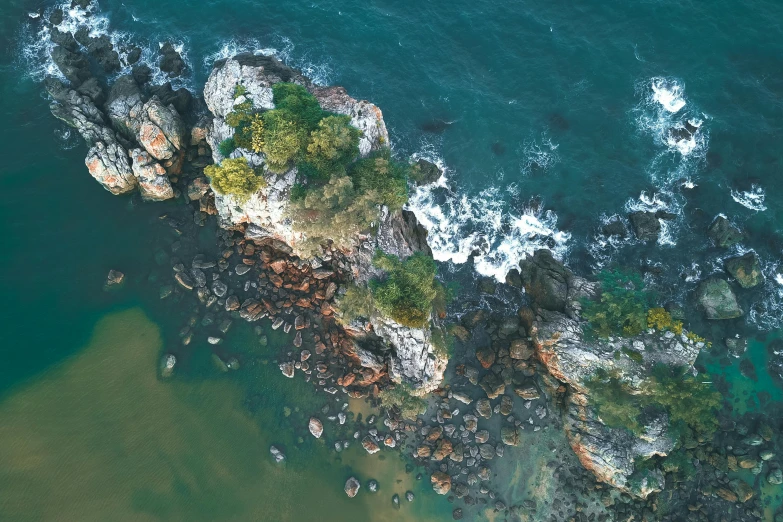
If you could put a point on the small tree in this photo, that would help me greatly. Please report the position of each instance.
(622, 308)
(283, 140)
(407, 293)
(234, 177)
(333, 145)
(384, 177)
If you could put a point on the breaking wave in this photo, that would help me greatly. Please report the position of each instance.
(482, 226)
(752, 199)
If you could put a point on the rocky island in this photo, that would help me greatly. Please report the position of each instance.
(314, 237)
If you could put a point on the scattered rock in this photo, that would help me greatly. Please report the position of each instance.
(316, 427)
(277, 454)
(441, 482)
(645, 225)
(352, 487)
(114, 279)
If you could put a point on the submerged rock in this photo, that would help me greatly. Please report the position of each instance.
(277, 454)
(717, 299)
(167, 364)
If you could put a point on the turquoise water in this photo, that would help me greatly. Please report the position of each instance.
(548, 116)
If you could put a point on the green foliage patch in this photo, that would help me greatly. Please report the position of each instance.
(689, 402)
(382, 176)
(407, 293)
(227, 146)
(234, 177)
(621, 310)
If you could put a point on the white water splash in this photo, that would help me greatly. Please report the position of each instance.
(35, 44)
(482, 226)
(752, 199)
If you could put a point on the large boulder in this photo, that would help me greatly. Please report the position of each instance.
(717, 299)
(154, 184)
(645, 225)
(609, 453)
(551, 285)
(109, 165)
(723, 233)
(745, 269)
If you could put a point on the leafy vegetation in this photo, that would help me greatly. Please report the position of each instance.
(234, 177)
(442, 342)
(356, 302)
(688, 401)
(622, 307)
(407, 293)
(382, 176)
(337, 195)
(399, 397)
(227, 146)
(333, 145)
(333, 212)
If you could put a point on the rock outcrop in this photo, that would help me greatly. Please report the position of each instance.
(556, 330)
(412, 359)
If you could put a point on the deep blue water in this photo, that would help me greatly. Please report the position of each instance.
(548, 116)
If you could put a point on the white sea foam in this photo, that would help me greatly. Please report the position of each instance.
(752, 199)
(36, 44)
(668, 94)
(766, 313)
(461, 226)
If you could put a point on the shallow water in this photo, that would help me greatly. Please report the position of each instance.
(100, 437)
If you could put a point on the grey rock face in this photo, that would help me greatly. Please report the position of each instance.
(106, 160)
(717, 299)
(645, 225)
(609, 453)
(551, 285)
(153, 182)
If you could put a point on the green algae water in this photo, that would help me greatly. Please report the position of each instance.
(549, 118)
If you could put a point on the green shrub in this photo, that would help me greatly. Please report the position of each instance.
(298, 104)
(621, 310)
(399, 397)
(284, 140)
(356, 302)
(442, 342)
(331, 212)
(239, 90)
(333, 145)
(234, 177)
(383, 177)
(227, 146)
(688, 401)
(407, 293)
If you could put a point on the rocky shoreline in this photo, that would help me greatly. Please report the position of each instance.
(524, 369)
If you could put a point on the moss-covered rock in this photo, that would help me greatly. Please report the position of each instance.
(745, 269)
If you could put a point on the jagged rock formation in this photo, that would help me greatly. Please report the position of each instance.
(561, 346)
(138, 140)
